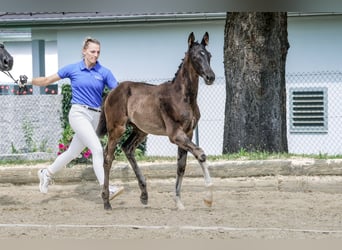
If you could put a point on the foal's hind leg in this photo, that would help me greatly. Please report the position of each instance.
(181, 163)
(132, 142)
(108, 159)
(113, 139)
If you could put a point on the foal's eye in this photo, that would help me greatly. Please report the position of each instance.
(202, 53)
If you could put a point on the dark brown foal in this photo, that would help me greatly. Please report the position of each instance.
(169, 109)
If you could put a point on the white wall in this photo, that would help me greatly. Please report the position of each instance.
(321, 143)
(151, 51)
(143, 52)
(315, 44)
(154, 52)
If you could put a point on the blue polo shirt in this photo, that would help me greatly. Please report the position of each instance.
(87, 85)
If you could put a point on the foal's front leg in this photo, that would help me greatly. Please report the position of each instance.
(202, 160)
(184, 142)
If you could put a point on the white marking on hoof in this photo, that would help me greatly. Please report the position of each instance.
(208, 203)
(179, 204)
(208, 199)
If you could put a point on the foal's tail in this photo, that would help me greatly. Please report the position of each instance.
(101, 129)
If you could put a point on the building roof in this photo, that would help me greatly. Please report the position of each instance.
(55, 19)
(17, 26)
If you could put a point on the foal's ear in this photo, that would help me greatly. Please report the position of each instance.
(191, 39)
(205, 40)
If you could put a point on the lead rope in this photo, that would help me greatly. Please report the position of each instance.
(21, 82)
(7, 73)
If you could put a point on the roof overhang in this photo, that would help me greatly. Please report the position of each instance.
(64, 19)
(18, 26)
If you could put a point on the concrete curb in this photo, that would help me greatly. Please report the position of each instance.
(162, 170)
(28, 156)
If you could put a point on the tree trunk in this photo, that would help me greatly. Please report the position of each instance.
(255, 51)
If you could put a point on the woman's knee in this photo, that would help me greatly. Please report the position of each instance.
(97, 151)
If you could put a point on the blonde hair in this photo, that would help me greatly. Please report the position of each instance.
(88, 40)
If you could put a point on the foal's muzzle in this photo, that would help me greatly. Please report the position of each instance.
(209, 78)
(7, 63)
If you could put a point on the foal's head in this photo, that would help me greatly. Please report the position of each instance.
(6, 60)
(200, 58)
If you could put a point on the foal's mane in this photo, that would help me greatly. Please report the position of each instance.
(179, 67)
(181, 64)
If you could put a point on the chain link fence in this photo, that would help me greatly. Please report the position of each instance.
(30, 124)
(314, 115)
(314, 112)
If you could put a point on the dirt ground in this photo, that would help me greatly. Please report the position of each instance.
(275, 207)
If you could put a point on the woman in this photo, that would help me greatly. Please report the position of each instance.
(88, 80)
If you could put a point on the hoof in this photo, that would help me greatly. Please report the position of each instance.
(107, 207)
(179, 203)
(144, 199)
(208, 203)
(180, 206)
(208, 198)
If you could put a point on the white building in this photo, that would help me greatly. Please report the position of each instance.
(151, 47)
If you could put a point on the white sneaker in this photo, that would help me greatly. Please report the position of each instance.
(44, 180)
(115, 191)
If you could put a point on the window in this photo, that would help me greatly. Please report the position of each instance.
(308, 110)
